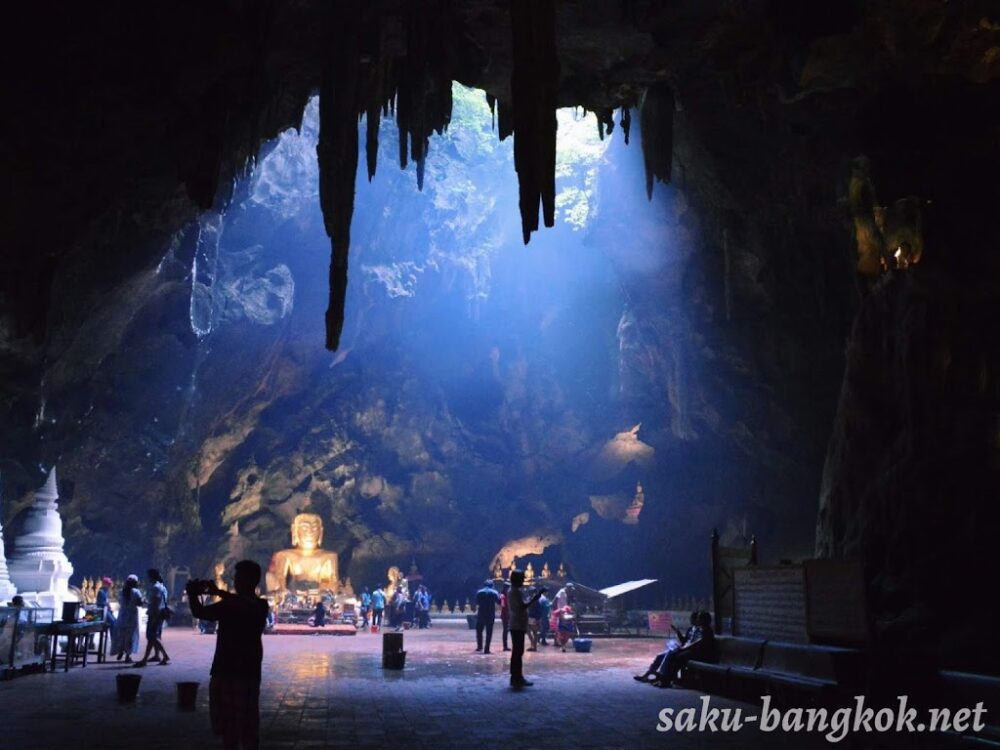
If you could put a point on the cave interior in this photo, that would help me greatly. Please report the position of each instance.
(741, 253)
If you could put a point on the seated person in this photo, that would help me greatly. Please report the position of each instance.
(319, 616)
(701, 647)
(671, 645)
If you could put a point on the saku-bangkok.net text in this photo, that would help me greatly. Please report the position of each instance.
(835, 724)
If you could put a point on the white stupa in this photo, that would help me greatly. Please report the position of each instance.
(7, 587)
(38, 566)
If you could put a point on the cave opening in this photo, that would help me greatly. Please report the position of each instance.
(489, 400)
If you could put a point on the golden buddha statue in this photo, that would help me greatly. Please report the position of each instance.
(396, 580)
(220, 576)
(306, 566)
(635, 508)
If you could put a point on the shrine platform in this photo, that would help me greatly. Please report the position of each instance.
(294, 629)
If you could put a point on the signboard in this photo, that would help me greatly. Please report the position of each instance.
(660, 622)
(771, 603)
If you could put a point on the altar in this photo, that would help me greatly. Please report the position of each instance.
(304, 576)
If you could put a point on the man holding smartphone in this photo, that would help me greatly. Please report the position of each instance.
(519, 601)
(234, 690)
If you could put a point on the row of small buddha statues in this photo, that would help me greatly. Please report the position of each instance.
(90, 586)
(529, 571)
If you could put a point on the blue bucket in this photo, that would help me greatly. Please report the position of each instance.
(582, 645)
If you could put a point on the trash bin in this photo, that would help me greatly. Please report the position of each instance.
(187, 695)
(393, 656)
(396, 660)
(128, 687)
(582, 645)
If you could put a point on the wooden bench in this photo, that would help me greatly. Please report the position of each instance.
(737, 657)
(791, 672)
(965, 690)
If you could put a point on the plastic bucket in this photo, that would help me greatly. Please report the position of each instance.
(471, 620)
(187, 695)
(127, 686)
(582, 645)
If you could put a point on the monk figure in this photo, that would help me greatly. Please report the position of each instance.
(306, 566)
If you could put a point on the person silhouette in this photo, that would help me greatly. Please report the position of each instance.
(487, 600)
(156, 615)
(519, 600)
(234, 688)
(319, 615)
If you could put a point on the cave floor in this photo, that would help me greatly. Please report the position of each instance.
(331, 692)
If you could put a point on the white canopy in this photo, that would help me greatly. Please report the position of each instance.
(624, 588)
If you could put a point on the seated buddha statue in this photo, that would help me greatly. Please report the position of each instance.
(306, 566)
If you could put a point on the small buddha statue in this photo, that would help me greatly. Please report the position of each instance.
(396, 581)
(529, 573)
(513, 564)
(561, 573)
(635, 508)
(545, 570)
(306, 566)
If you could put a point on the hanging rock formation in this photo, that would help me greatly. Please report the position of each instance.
(534, 83)
(656, 119)
(368, 72)
(338, 150)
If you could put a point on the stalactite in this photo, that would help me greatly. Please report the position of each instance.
(492, 102)
(378, 91)
(534, 85)
(656, 120)
(605, 122)
(423, 98)
(505, 120)
(626, 121)
(338, 150)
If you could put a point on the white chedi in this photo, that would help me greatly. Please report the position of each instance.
(7, 587)
(38, 566)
